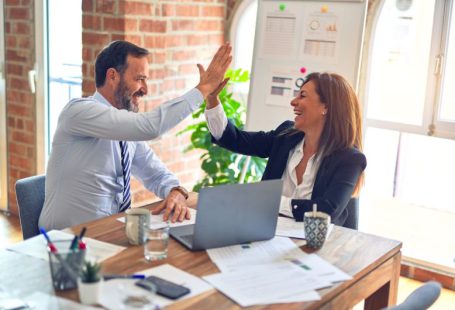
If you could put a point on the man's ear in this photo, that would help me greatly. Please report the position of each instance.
(112, 76)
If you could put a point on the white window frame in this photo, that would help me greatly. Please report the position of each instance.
(430, 124)
(3, 119)
(41, 77)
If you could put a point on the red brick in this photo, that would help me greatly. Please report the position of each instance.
(23, 163)
(188, 69)
(135, 8)
(168, 9)
(23, 137)
(217, 11)
(11, 41)
(30, 126)
(18, 13)
(154, 41)
(11, 121)
(136, 39)
(105, 6)
(187, 10)
(15, 148)
(152, 25)
(24, 42)
(208, 25)
(12, 2)
(173, 41)
(87, 6)
(181, 25)
(217, 39)
(92, 22)
(17, 83)
(21, 28)
(113, 24)
(97, 39)
(197, 40)
(20, 123)
(26, 2)
(14, 69)
(183, 55)
(158, 57)
(19, 110)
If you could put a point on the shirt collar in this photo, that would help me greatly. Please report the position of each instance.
(299, 146)
(98, 97)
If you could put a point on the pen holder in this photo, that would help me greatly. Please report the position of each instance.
(65, 265)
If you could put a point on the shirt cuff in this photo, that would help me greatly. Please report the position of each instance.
(285, 206)
(216, 121)
(194, 98)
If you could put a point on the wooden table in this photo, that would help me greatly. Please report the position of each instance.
(373, 262)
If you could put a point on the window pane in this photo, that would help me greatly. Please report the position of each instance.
(447, 112)
(244, 43)
(65, 57)
(399, 63)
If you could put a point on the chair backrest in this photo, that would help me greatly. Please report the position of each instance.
(30, 199)
(422, 298)
(352, 221)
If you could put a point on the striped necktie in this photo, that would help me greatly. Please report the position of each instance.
(126, 165)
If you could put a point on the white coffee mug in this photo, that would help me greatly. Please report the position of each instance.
(137, 222)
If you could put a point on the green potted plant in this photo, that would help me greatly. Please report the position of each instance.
(89, 285)
(220, 165)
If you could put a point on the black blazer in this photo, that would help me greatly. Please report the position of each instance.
(335, 179)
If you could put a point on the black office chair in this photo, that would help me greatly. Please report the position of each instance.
(422, 298)
(352, 221)
(30, 199)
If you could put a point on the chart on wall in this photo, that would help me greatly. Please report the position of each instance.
(293, 39)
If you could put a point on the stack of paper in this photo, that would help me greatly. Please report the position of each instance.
(273, 271)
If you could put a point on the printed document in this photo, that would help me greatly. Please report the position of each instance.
(289, 227)
(233, 257)
(265, 284)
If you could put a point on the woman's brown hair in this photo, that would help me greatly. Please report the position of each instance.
(343, 124)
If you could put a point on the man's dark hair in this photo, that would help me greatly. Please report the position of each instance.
(114, 56)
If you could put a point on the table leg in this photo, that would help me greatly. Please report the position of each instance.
(386, 296)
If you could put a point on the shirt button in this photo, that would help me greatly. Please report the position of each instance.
(295, 207)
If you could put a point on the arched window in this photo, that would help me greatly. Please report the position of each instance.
(241, 34)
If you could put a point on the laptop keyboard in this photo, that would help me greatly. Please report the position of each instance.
(187, 238)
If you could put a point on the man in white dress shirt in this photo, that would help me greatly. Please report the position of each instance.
(85, 177)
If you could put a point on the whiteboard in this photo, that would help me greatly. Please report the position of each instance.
(294, 38)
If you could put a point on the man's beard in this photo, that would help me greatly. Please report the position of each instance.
(123, 97)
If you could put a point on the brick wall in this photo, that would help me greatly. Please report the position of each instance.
(177, 37)
(20, 108)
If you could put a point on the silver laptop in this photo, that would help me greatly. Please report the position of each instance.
(232, 214)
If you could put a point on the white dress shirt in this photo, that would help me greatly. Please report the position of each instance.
(84, 178)
(217, 122)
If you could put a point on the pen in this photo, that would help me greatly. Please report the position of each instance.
(123, 276)
(51, 246)
(74, 243)
(82, 245)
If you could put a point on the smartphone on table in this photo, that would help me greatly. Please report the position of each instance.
(163, 287)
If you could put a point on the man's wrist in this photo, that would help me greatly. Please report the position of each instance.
(181, 190)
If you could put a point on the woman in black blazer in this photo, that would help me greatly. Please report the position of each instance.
(318, 156)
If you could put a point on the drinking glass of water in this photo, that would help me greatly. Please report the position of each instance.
(156, 244)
